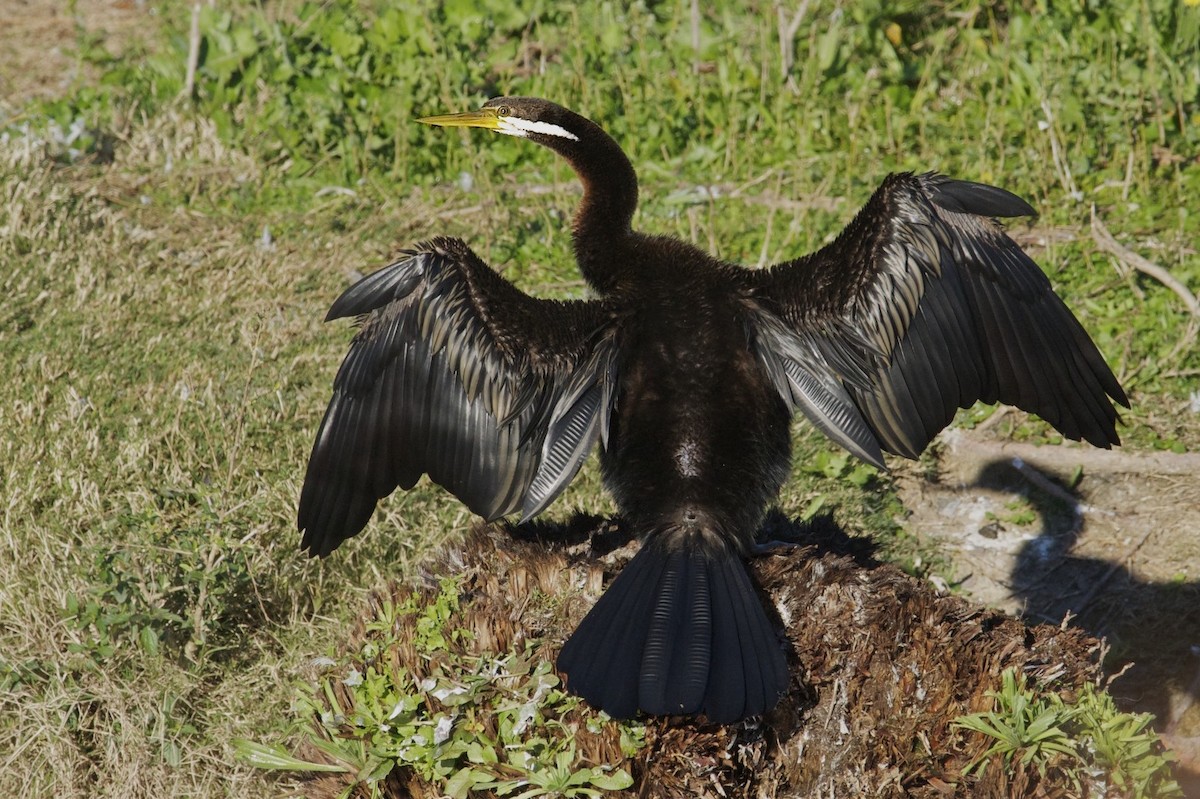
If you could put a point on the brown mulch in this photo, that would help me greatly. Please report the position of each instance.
(882, 664)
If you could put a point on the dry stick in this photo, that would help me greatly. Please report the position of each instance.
(193, 60)
(1105, 241)
(787, 35)
(695, 36)
(1065, 458)
(1060, 161)
(1048, 486)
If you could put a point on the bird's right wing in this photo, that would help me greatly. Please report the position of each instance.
(496, 395)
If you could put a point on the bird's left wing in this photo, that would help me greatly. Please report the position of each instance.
(921, 306)
(496, 395)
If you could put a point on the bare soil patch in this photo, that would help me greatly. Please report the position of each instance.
(1118, 554)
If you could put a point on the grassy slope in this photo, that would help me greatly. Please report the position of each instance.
(164, 368)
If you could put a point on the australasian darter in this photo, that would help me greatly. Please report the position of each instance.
(687, 370)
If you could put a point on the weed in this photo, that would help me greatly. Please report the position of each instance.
(1019, 512)
(1023, 723)
(1127, 752)
(462, 723)
(1112, 748)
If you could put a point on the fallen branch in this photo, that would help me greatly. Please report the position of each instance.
(1052, 488)
(1065, 457)
(1105, 241)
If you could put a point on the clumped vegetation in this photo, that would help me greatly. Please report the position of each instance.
(167, 252)
(447, 689)
(1040, 726)
(426, 698)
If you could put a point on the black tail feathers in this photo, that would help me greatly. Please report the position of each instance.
(680, 631)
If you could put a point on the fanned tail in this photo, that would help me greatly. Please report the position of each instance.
(679, 631)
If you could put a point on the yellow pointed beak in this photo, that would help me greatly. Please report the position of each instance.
(483, 118)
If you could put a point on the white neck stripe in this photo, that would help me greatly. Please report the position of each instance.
(515, 126)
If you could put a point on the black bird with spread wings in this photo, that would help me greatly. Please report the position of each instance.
(687, 370)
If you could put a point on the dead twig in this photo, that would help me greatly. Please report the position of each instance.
(1048, 486)
(787, 35)
(1105, 241)
(1056, 153)
(193, 59)
(695, 19)
(1066, 458)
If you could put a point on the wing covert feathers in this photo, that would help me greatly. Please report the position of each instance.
(456, 374)
(924, 305)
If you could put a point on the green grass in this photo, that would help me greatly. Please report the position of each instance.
(164, 368)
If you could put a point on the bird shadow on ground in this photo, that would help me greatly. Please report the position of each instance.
(1151, 628)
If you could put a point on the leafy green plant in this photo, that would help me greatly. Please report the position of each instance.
(1023, 723)
(180, 587)
(1114, 748)
(492, 722)
(1019, 512)
(841, 465)
(1124, 745)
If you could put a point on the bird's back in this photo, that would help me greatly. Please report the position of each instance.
(697, 421)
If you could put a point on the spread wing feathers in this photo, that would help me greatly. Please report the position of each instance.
(806, 380)
(580, 416)
(496, 395)
(924, 305)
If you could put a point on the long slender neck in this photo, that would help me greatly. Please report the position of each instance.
(603, 220)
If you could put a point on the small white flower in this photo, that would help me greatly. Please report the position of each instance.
(528, 711)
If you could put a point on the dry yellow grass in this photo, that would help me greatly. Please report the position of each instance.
(159, 389)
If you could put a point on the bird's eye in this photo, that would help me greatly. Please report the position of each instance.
(503, 111)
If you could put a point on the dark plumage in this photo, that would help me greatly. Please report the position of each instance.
(688, 371)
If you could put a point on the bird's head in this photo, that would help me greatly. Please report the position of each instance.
(526, 117)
